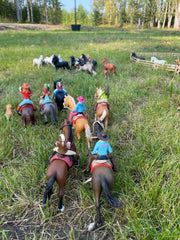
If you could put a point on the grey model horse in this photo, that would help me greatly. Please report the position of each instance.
(49, 109)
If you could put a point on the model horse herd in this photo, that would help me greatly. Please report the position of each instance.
(64, 156)
(84, 63)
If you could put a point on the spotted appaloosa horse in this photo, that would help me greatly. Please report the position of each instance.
(102, 112)
(109, 67)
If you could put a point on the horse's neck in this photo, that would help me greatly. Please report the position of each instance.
(72, 103)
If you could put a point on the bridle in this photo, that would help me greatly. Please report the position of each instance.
(69, 125)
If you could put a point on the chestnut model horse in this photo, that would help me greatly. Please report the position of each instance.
(102, 111)
(27, 115)
(60, 164)
(102, 179)
(109, 66)
(80, 124)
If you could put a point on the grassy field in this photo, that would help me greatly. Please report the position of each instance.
(144, 134)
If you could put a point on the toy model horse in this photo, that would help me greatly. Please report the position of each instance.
(27, 115)
(155, 60)
(49, 109)
(102, 178)
(60, 164)
(102, 111)
(109, 66)
(80, 123)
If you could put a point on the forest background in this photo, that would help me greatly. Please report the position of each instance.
(121, 13)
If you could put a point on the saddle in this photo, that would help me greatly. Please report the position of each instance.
(26, 105)
(76, 117)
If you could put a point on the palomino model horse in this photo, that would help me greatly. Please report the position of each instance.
(102, 111)
(60, 164)
(109, 66)
(102, 179)
(80, 123)
(27, 115)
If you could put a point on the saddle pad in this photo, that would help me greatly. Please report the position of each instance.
(98, 163)
(26, 105)
(65, 159)
(102, 105)
(76, 117)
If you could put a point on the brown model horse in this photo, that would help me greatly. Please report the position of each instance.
(109, 66)
(58, 169)
(102, 179)
(81, 124)
(27, 115)
(102, 111)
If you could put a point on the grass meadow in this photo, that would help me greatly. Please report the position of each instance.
(144, 129)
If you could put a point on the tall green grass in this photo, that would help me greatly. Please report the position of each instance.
(143, 127)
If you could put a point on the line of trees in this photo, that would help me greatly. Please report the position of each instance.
(142, 13)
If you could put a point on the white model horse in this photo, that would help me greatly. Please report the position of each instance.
(38, 61)
(155, 60)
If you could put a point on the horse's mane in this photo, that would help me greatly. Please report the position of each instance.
(72, 100)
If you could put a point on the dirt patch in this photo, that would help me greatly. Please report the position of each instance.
(23, 26)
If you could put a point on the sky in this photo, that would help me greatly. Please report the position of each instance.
(69, 4)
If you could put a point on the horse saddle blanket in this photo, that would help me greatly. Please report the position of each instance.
(26, 105)
(98, 163)
(76, 117)
(67, 159)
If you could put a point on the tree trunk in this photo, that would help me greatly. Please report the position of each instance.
(16, 2)
(170, 15)
(31, 5)
(165, 13)
(45, 12)
(177, 17)
(144, 15)
(28, 13)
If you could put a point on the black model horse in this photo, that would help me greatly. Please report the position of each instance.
(135, 56)
(59, 98)
(58, 64)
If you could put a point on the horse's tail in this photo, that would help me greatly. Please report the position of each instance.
(53, 114)
(104, 113)
(49, 187)
(87, 131)
(109, 197)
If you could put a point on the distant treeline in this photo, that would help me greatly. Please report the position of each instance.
(142, 13)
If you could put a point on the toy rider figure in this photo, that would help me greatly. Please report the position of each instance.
(101, 151)
(80, 108)
(59, 88)
(45, 98)
(25, 90)
(103, 98)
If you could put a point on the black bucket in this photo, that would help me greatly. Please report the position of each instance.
(75, 27)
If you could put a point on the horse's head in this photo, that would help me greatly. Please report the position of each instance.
(66, 127)
(105, 60)
(178, 61)
(98, 92)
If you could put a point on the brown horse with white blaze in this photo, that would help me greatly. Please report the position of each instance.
(63, 159)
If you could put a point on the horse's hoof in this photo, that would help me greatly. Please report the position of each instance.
(91, 227)
(44, 200)
(62, 209)
(45, 123)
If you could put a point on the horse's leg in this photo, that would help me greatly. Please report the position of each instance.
(78, 135)
(45, 118)
(97, 193)
(106, 123)
(61, 194)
